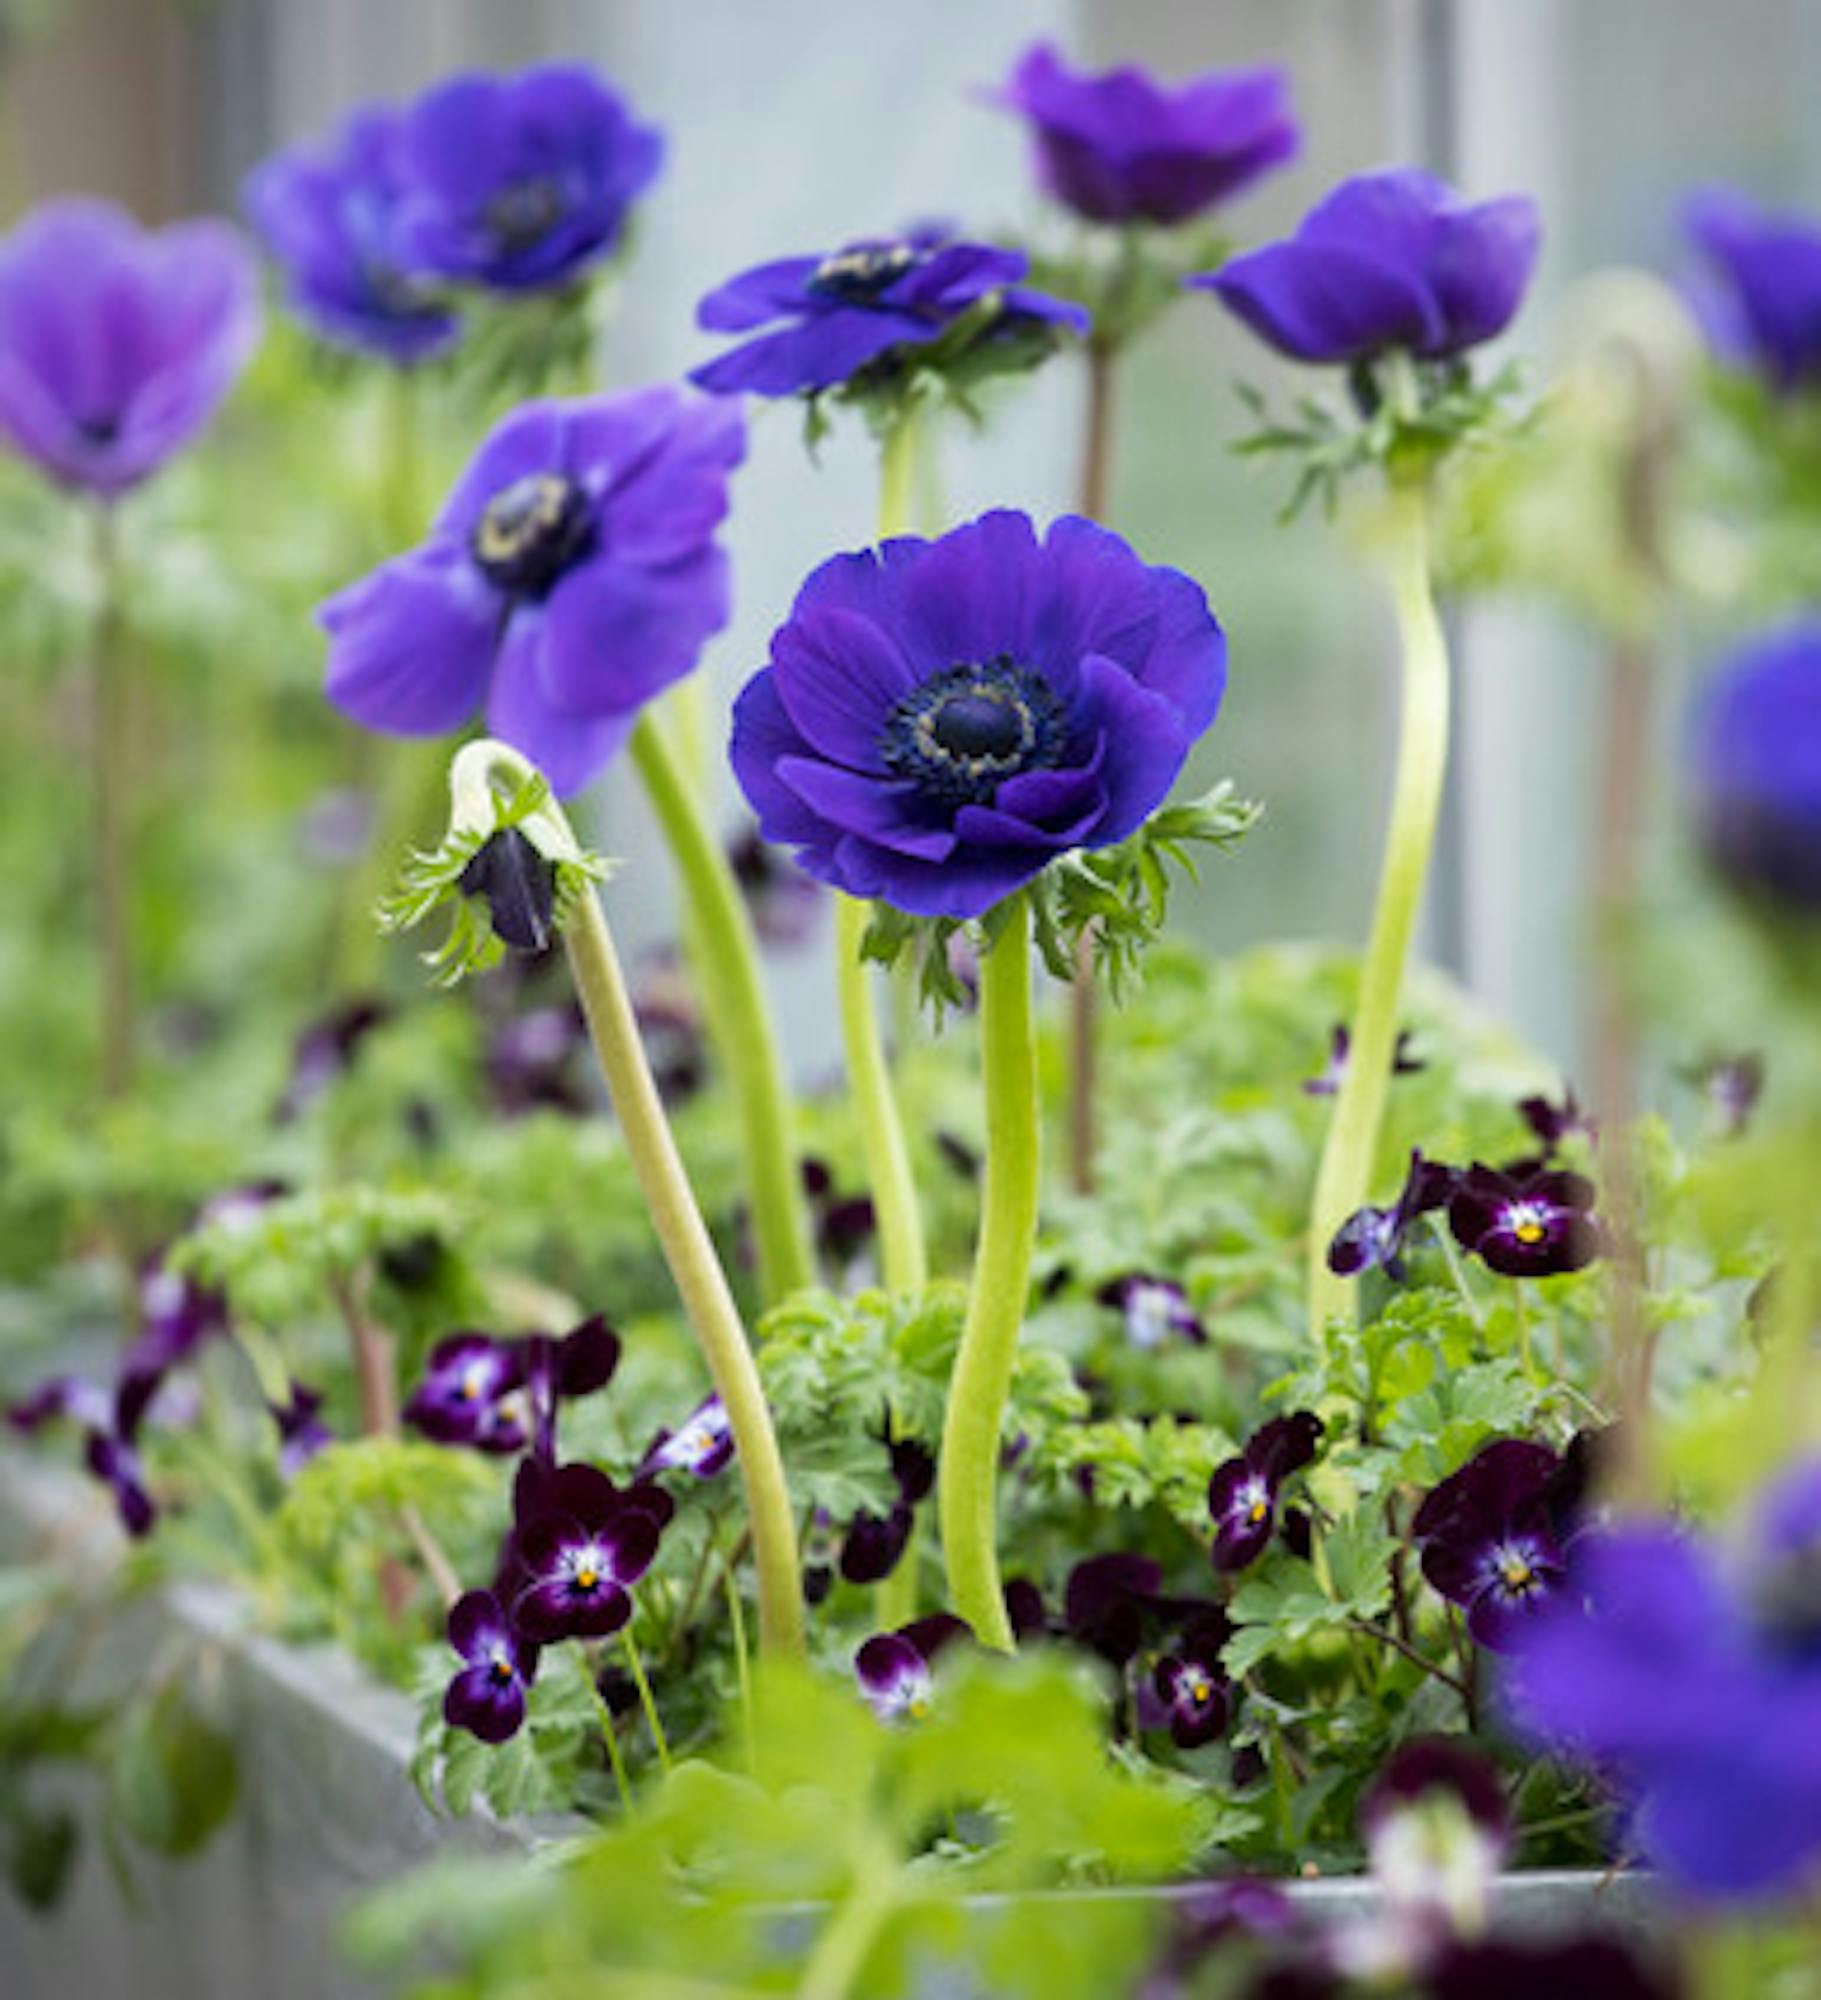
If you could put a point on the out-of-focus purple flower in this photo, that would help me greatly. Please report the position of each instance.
(559, 1370)
(1533, 1224)
(1106, 1601)
(582, 1550)
(702, 1444)
(1153, 1309)
(1763, 306)
(1494, 1538)
(531, 1061)
(1732, 1086)
(940, 720)
(878, 299)
(325, 1050)
(113, 1457)
(873, 1544)
(118, 344)
(1373, 1238)
(469, 1395)
(62, 1399)
(301, 1430)
(784, 902)
(895, 1669)
(176, 1315)
(1340, 1043)
(329, 214)
(571, 576)
(1243, 1492)
(671, 1027)
(1121, 147)
(845, 1224)
(1192, 1685)
(487, 1697)
(520, 183)
(1689, 1671)
(1552, 1123)
(1581, 1968)
(1388, 260)
(1755, 756)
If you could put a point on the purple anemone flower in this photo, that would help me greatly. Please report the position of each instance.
(521, 183)
(329, 214)
(118, 344)
(1494, 1536)
(487, 1697)
(1192, 1686)
(1373, 1238)
(582, 1550)
(1535, 1223)
(1340, 1043)
(571, 576)
(1388, 260)
(1120, 147)
(1243, 1492)
(701, 1445)
(1762, 308)
(301, 1431)
(1755, 753)
(1153, 1309)
(868, 302)
(941, 720)
(896, 1669)
(1689, 1671)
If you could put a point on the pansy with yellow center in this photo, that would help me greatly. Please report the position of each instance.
(1530, 1221)
(1242, 1495)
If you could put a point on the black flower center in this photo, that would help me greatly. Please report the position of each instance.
(859, 274)
(99, 431)
(501, 1669)
(523, 213)
(959, 736)
(532, 531)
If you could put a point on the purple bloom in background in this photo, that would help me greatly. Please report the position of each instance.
(1732, 1086)
(873, 1544)
(1120, 147)
(325, 1051)
(582, 1550)
(941, 720)
(701, 1446)
(829, 316)
(1755, 753)
(1391, 260)
(531, 1061)
(1576, 1968)
(571, 576)
(469, 1395)
(895, 1669)
(1690, 1672)
(61, 1399)
(329, 214)
(1192, 1686)
(1553, 1123)
(520, 183)
(301, 1431)
(1494, 1537)
(1531, 1224)
(1153, 1309)
(1373, 1238)
(487, 1698)
(118, 344)
(1437, 1828)
(1340, 1043)
(784, 902)
(1243, 1492)
(1106, 1602)
(1762, 307)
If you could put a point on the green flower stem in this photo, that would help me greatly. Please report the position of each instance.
(688, 1249)
(610, 1728)
(110, 780)
(969, 1461)
(636, 1666)
(1345, 1176)
(728, 967)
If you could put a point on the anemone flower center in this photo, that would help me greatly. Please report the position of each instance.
(523, 213)
(859, 274)
(1528, 1222)
(99, 431)
(532, 531)
(960, 735)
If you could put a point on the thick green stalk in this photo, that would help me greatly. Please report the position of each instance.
(967, 1491)
(682, 1234)
(728, 966)
(1344, 1179)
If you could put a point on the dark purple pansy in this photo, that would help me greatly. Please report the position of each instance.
(1437, 1829)
(1493, 1537)
(113, 1457)
(571, 576)
(325, 1050)
(830, 316)
(1423, 1766)
(873, 1544)
(845, 1224)
(1388, 260)
(582, 1550)
(176, 1315)
(1553, 1123)
(1340, 1043)
(1755, 759)
(701, 1445)
(1153, 1309)
(118, 344)
(61, 1399)
(487, 1697)
(1762, 307)
(329, 214)
(1106, 1602)
(1532, 1224)
(1576, 1968)
(1373, 1238)
(531, 1061)
(520, 183)
(301, 1430)
(1192, 1686)
(1120, 147)
(784, 902)
(1243, 1492)
(557, 1371)
(941, 720)
(895, 1669)
(470, 1394)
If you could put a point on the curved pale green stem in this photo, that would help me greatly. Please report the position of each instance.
(688, 1249)
(967, 1490)
(1344, 1179)
(728, 966)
